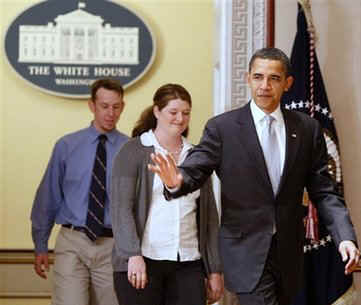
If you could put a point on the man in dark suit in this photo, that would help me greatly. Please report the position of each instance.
(265, 157)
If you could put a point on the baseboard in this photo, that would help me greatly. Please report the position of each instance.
(18, 278)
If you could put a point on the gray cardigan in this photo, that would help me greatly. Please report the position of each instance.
(131, 194)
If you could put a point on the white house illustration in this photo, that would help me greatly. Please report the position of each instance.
(79, 37)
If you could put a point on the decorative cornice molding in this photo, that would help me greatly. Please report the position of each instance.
(259, 25)
(240, 45)
(248, 35)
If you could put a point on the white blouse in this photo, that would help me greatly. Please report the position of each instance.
(171, 227)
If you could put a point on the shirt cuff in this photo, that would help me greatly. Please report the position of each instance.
(41, 249)
(172, 190)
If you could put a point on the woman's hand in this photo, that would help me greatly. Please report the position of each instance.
(137, 275)
(215, 287)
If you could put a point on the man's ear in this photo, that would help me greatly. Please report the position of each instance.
(247, 77)
(289, 82)
(122, 106)
(91, 105)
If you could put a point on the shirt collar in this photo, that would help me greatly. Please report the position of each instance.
(258, 114)
(94, 134)
(148, 138)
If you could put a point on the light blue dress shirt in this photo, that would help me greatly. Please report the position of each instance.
(62, 196)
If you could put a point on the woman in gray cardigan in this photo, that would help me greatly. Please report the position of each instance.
(166, 252)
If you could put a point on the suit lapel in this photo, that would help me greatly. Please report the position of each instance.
(249, 140)
(293, 140)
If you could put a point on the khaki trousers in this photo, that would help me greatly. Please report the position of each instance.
(82, 273)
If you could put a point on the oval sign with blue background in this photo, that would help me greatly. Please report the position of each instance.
(62, 47)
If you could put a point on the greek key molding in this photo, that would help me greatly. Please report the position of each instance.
(248, 35)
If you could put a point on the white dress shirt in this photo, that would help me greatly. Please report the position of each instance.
(171, 227)
(259, 121)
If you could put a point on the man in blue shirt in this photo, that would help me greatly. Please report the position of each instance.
(82, 268)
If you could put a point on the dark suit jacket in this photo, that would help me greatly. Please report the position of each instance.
(230, 146)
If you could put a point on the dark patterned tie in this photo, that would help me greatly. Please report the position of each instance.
(97, 193)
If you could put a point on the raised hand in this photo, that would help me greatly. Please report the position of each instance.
(166, 168)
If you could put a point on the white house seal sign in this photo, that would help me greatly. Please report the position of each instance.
(61, 47)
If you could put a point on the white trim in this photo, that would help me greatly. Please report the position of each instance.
(222, 94)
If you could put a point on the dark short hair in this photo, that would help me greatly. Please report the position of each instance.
(106, 83)
(272, 54)
(161, 98)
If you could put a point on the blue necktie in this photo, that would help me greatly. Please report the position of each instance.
(97, 192)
